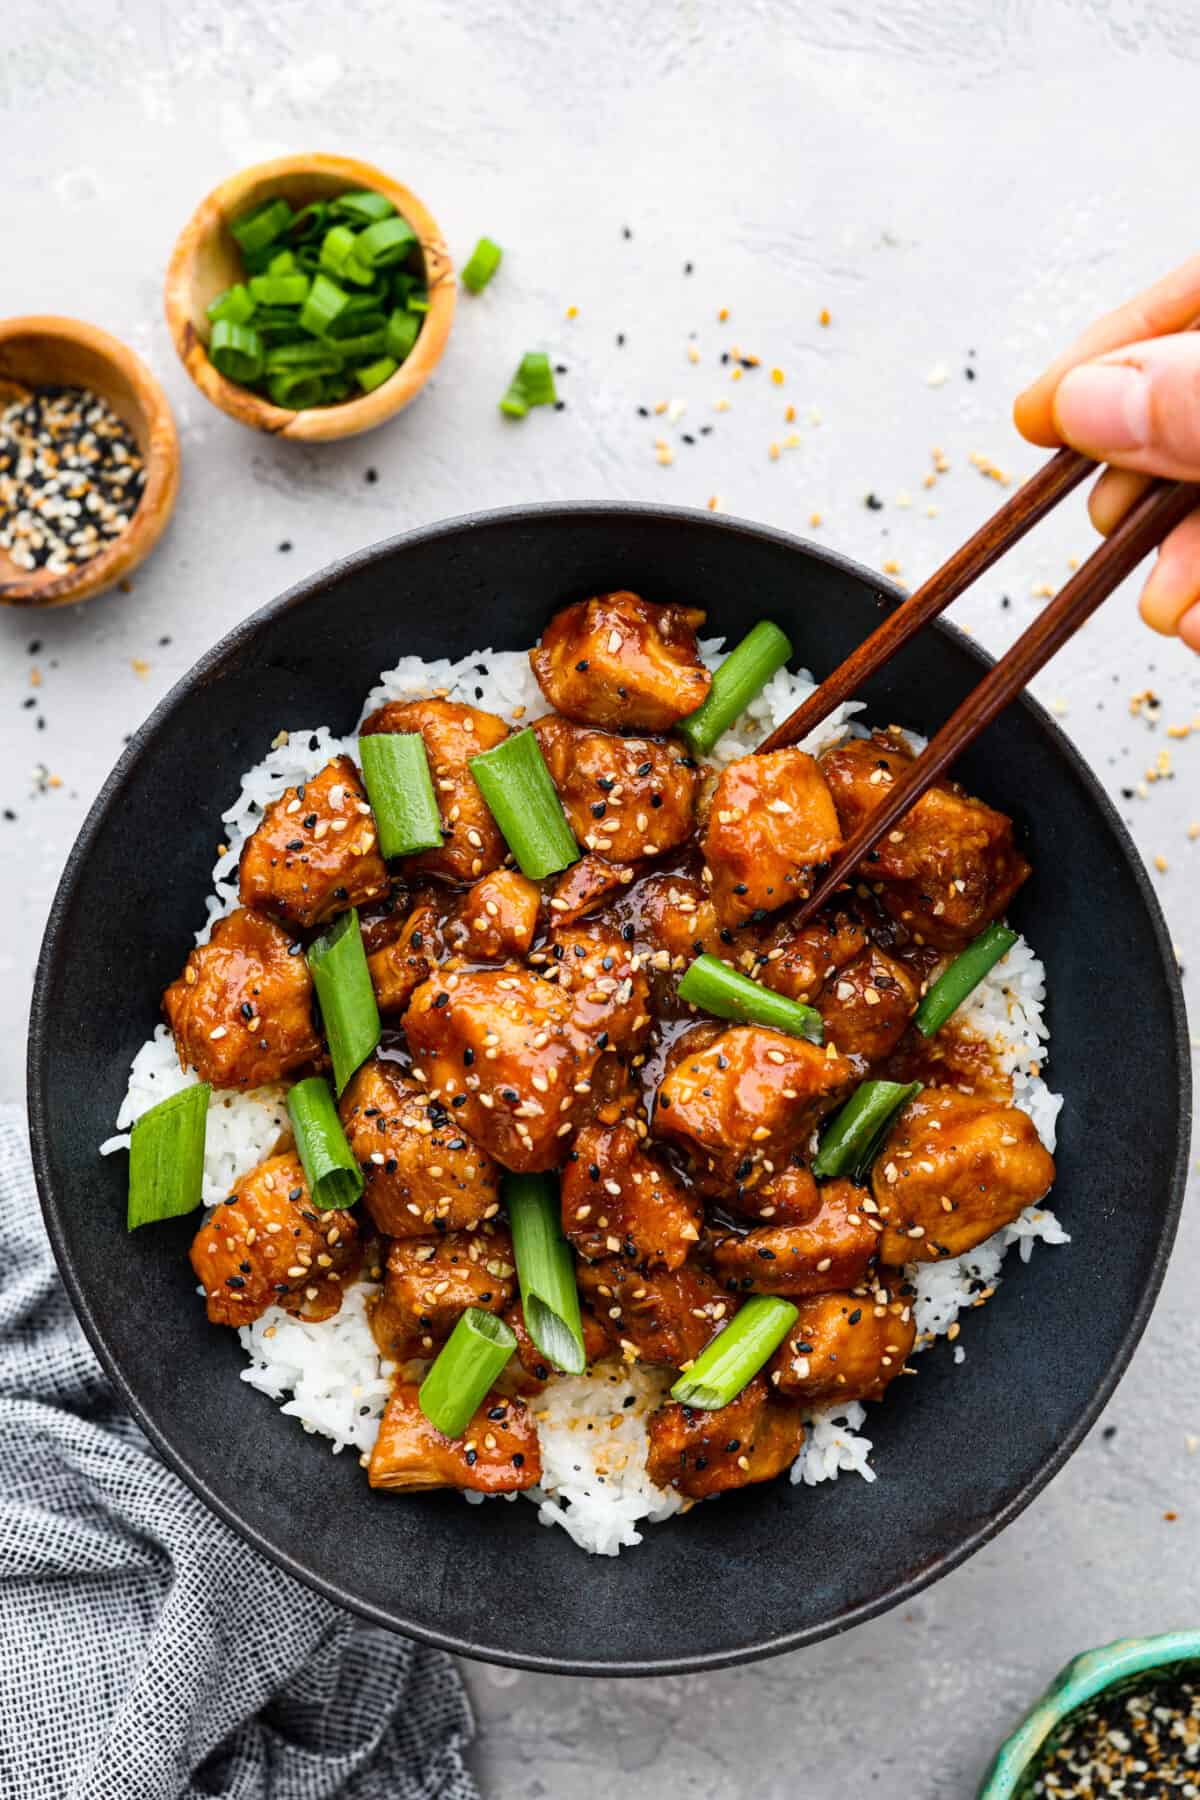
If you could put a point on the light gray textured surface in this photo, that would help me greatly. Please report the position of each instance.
(954, 185)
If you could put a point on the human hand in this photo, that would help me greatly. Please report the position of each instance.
(1128, 394)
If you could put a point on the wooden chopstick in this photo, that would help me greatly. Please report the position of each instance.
(1159, 510)
(1032, 501)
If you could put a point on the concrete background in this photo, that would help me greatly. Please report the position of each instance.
(960, 188)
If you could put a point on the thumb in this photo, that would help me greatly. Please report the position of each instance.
(1137, 407)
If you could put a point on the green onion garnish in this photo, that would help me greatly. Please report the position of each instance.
(296, 389)
(962, 977)
(166, 1157)
(279, 290)
(735, 1355)
(545, 1270)
(400, 788)
(308, 222)
(236, 351)
(855, 1134)
(312, 357)
(325, 303)
(385, 243)
(334, 1178)
(402, 329)
(263, 226)
(338, 964)
(235, 305)
(744, 673)
(374, 374)
(532, 385)
(365, 208)
(523, 800)
(481, 265)
(466, 1366)
(715, 987)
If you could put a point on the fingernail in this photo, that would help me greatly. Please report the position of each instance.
(1104, 408)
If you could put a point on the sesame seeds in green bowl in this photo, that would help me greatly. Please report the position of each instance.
(1122, 1719)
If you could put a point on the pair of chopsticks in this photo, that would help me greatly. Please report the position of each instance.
(1147, 523)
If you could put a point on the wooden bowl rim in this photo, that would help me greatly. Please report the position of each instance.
(161, 457)
(314, 424)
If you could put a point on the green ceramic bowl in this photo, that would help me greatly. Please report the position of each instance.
(1018, 1758)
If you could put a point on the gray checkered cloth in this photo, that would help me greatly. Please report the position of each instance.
(146, 1653)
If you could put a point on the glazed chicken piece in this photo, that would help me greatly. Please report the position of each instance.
(790, 1197)
(241, 1011)
(754, 1438)
(453, 734)
(625, 798)
(495, 919)
(529, 1372)
(617, 1200)
(623, 662)
(867, 1005)
(603, 973)
(513, 1056)
(677, 918)
(949, 867)
(954, 1168)
(585, 887)
(428, 1282)
(498, 1452)
(739, 1103)
(799, 963)
(659, 1315)
(402, 948)
(833, 1250)
(771, 823)
(845, 1346)
(422, 1172)
(316, 852)
(267, 1245)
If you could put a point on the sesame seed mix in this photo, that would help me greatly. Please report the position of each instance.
(71, 476)
(1138, 1742)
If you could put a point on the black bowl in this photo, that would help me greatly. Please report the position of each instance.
(959, 1451)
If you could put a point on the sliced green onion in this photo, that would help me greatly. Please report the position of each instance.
(295, 390)
(532, 385)
(400, 788)
(523, 800)
(236, 350)
(309, 221)
(466, 1366)
(853, 1139)
(374, 374)
(334, 1178)
(279, 290)
(417, 303)
(385, 243)
(325, 303)
(735, 1355)
(402, 331)
(166, 1157)
(261, 228)
(744, 673)
(717, 988)
(235, 305)
(365, 348)
(356, 270)
(481, 265)
(365, 208)
(403, 283)
(305, 356)
(962, 977)
(545, 1270)
(283, 262)
(349, 1014)
(514, 404)
(337, 247)
(335, 388)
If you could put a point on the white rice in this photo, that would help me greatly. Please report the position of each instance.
(330, 1376)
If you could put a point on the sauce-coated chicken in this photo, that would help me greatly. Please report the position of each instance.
(800, 963)
(428, 1282)
(584, 888)
(529, 1371)
(954, 1168)
(241, 1011)
(832, 1250)
(867, 1005)
(789, 1197)
(402, 948)
(316, 852)
(267, 1245)
(453, 734)
(625, 798)
(422, 1172)
(622, 661)
(772, 821)
(752, 1439)
(497, 1454)
(659, 1315)
(949, 867)
(845, 1346)
(617, 1200)
(495, 919)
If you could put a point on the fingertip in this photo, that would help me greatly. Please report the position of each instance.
(1189, 628)
(1033, 415)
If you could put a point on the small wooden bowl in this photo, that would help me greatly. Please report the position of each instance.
(205, 261)
(43, 351)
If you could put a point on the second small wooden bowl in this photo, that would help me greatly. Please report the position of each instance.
(205, 261)
(41, 350)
